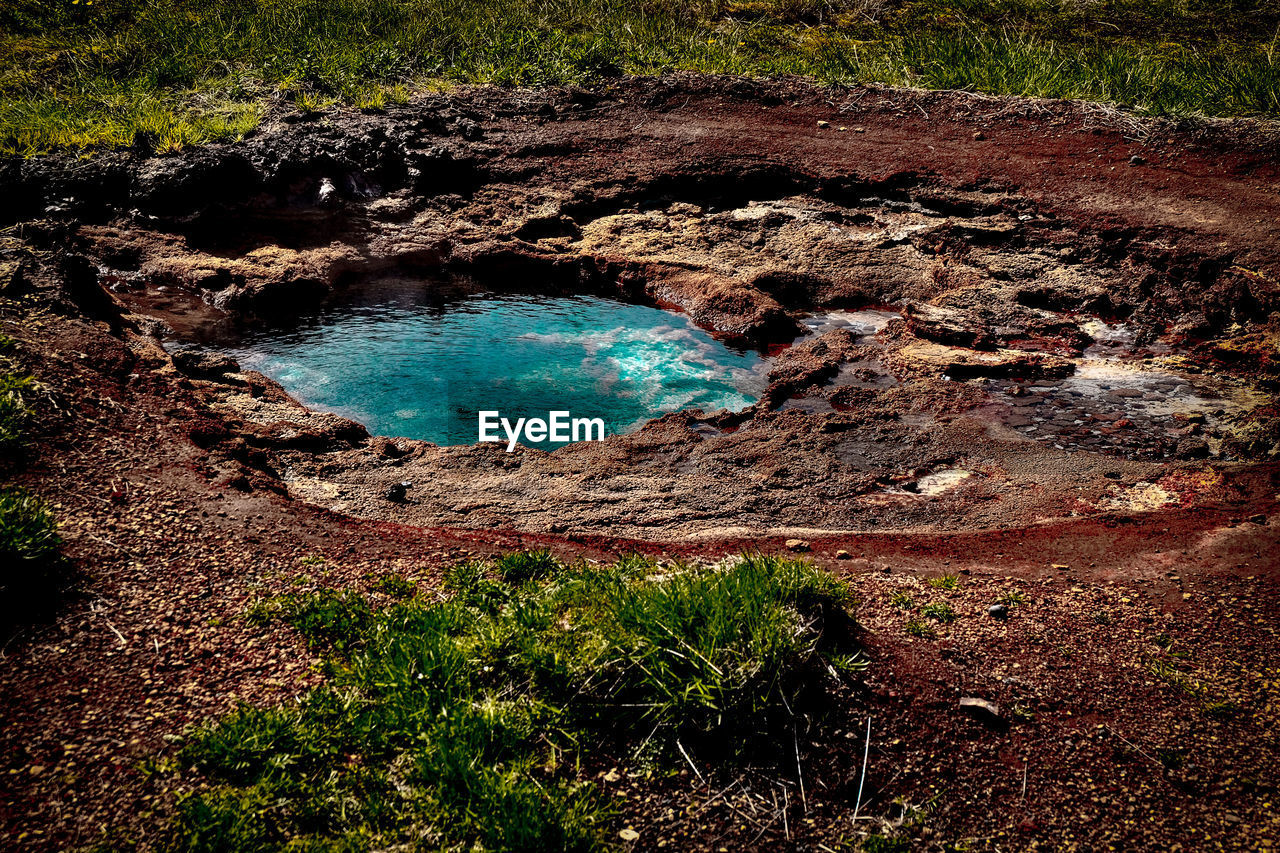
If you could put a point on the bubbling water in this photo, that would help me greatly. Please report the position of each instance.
(405, 368)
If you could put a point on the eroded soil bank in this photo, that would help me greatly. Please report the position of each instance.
(1035, 344)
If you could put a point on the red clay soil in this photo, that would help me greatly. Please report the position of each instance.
(1136, 676)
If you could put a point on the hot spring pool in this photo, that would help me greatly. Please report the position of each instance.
(407, 368)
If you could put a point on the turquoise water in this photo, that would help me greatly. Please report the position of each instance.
(406, 368)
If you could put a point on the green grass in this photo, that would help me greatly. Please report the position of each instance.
(919, 628)
(466, 723)
(1013, 599)
(525, 566)
(30, 569)
(27, 532)
(163, 74)
(395, 585)
(945, 582)
(14, 411)
(938, 612)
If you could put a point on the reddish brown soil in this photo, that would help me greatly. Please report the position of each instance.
(1139, 673)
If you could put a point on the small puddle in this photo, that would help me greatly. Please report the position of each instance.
(809, 405)
(1126, 407)
(866, 322)
(410, 368)
(1123, 399)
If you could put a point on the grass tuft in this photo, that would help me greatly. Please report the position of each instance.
(28, 534)
(396, 586)
(525, 566)
(15, 414)
(939, 612)
(1012, 599)
(919, 628)
(30, 567)
(462, 724)
(945, 582)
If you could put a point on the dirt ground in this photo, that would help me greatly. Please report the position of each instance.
(1071, 398)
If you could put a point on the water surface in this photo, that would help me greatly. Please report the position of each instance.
(404, 367)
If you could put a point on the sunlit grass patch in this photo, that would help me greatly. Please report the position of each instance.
(465, 721)
(1013, 598)
(395, 585)
(939, 612)
(919, 628)
(28, 534)
(947, 582)
(160, 76)
(111, 116)
(30, 568)
(14, 411)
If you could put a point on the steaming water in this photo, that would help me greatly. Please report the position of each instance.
(425, 372)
